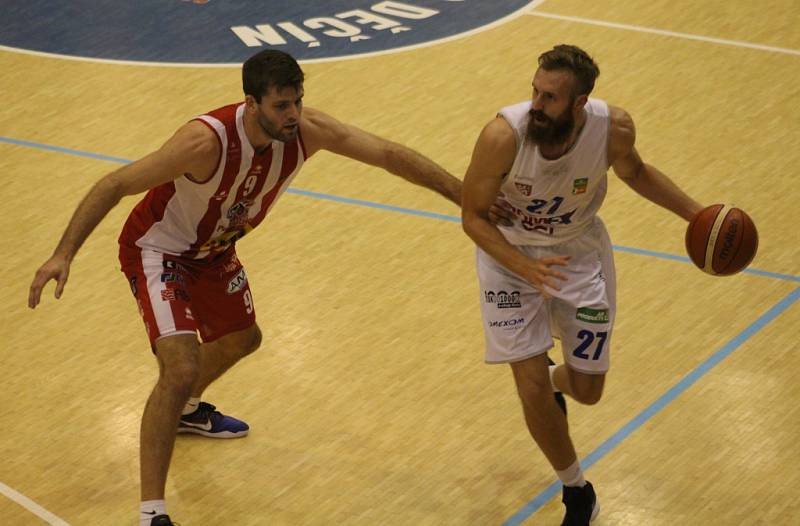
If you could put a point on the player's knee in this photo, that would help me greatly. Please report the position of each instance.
(253, 340)
(587, 394)
(585, 388)
(181, 376)
(532, 394)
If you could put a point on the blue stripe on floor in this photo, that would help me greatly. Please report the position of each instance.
(676, 390)
(390, 208)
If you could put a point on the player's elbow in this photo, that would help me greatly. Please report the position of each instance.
(111, 188)
(471, 221)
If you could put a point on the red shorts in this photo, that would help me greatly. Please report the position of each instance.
(178, 295)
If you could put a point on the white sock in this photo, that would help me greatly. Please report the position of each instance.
(191, 406)
(552, 369)
(572, 476)
(150, 509)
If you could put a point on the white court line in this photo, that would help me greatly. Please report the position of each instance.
(31, 506)
(641, 29)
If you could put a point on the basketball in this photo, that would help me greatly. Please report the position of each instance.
(721, 240)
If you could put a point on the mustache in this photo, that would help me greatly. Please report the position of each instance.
(539, 114)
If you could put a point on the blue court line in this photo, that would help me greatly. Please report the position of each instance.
(665, 399)
(351, 201)
(59, 149)
(685, 259)
(359, 202)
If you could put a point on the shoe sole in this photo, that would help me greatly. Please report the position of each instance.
(220, 434)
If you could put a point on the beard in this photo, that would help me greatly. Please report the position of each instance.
(279, 134)
(547, 131)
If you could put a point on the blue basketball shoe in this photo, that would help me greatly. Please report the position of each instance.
(209, 422)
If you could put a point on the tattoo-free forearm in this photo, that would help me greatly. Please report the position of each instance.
(654, 186)
(422, 171)
(103, 196)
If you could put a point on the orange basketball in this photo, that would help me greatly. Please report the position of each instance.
(721, 240)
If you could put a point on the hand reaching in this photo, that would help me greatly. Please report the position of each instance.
(56, 268)
(542, 276)
(500, 213)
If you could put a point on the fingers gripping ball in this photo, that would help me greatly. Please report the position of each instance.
(721, 240)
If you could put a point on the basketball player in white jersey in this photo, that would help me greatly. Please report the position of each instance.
(550, 271)
(211, 183)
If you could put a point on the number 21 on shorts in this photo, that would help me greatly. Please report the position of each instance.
(588, 337)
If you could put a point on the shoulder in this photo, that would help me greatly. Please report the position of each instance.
(195, 138)
(622, 133)
(496, 147)
(320, 130)
(498, 134)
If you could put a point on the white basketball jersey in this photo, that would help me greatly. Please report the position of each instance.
(555, 201)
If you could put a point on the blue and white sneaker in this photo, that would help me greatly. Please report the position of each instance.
(209, 422)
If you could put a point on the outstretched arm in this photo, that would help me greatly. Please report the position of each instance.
(492, 158)
(646, 180)
(323, 132)
(192, 150)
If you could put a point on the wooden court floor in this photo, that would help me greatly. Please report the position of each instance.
(369, 401)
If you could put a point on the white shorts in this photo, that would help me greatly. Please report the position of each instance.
(519, 323)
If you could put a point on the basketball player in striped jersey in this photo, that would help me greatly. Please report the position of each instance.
(209, 185)
(550, 271)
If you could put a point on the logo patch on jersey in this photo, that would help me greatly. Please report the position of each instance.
(524, 189)
(503, 299)
(592, 315)
(237, 283)
(579, 186)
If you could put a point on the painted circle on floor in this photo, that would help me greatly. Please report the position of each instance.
(227, 32)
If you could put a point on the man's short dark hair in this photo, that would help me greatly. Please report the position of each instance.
(270, 69)
(576, 60)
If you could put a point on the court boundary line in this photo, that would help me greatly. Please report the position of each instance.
(381, 206)
(491, 25)
(664, 32)
(31, 506)
(660, 403)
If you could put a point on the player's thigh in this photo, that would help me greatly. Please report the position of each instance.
(222, 302)
(160, 288)
(178, 359)
(515, 321)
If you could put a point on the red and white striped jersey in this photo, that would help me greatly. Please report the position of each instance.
(198, 220)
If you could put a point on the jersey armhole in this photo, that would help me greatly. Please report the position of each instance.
(219, 155)
(517, 137)
(302, 143)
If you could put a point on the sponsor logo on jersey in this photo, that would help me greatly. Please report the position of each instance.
(237, 282)
(174, 295)
(133, 285)
(173, 265)
(224, 32)
(512, 324)
(503, 299)
(524, 189)
(535, 223)
(579, 186)
(592, 315)
(168, 277)
(238, 214)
